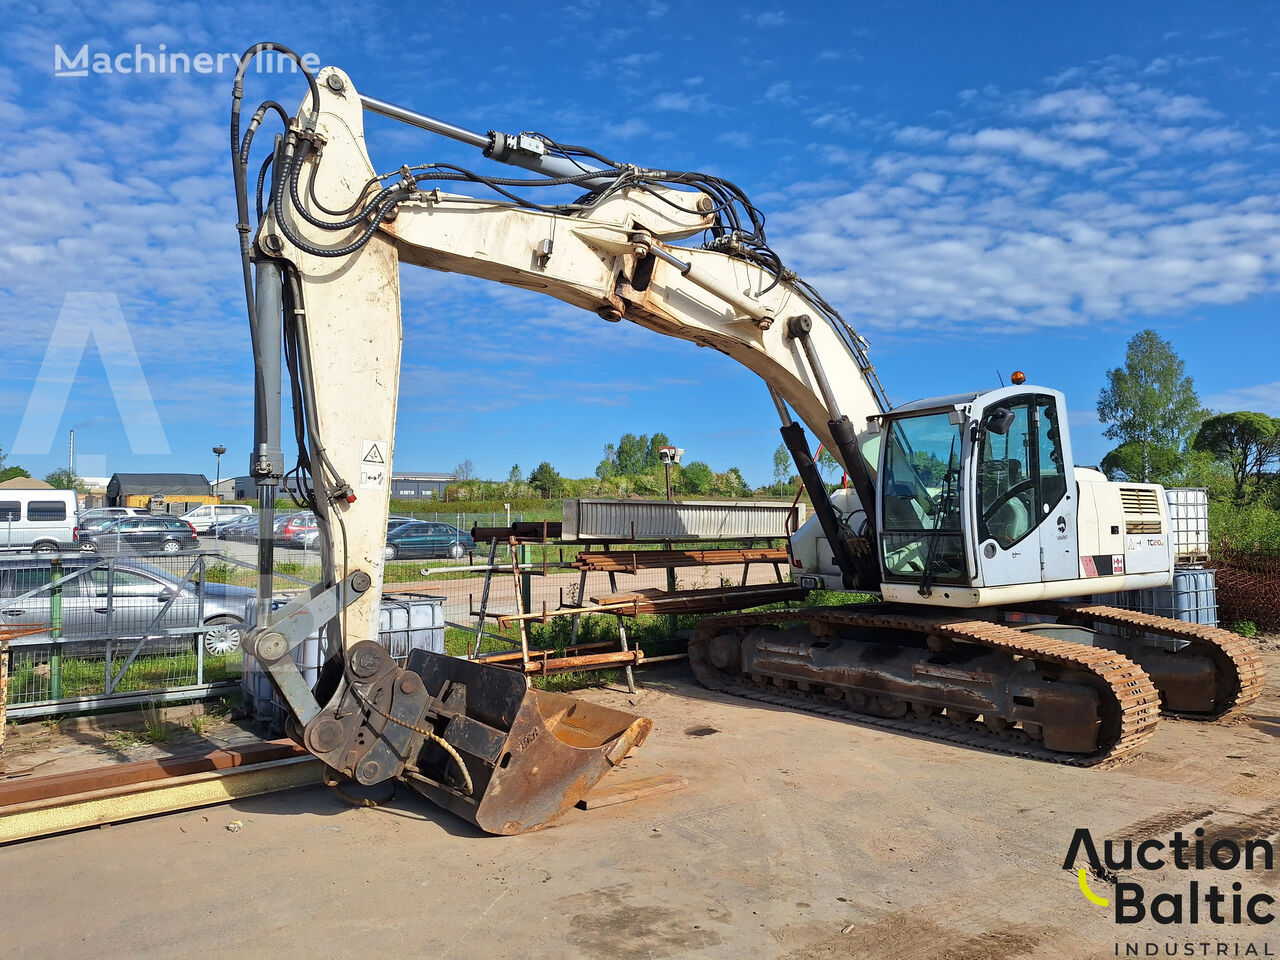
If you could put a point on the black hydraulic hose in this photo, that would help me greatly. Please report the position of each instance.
(262, 179)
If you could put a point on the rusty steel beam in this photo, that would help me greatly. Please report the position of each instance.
(535, 652)
(590, 661)
(107, 777)
(632, 560)
(40, 818)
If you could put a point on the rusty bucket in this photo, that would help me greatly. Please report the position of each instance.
(529, 755)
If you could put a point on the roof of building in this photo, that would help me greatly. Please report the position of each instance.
(168, 484)
(25, 483)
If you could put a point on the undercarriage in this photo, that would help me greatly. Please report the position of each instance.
(1020, 683)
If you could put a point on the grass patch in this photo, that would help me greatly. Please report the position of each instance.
(154, 727)
(121, 740)
(31, 681)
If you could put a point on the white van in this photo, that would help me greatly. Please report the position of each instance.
(41, 520)
(202, 518)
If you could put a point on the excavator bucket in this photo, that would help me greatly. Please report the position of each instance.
(529, 755)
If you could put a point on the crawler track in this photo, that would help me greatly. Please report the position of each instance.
(1241, 675)
(1130, 704)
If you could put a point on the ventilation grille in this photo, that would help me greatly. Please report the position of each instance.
(1142, 526)
(1141, 500)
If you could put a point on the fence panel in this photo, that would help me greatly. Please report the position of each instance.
(114, 629)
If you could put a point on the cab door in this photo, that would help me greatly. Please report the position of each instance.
(1059, 544)
(1026, 521)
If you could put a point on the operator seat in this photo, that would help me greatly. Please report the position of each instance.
(1010, 521)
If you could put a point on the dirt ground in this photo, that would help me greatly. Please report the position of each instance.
(797, 837)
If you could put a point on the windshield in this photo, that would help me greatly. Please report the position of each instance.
(921, 538)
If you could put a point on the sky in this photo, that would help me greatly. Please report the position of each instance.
(977, 187)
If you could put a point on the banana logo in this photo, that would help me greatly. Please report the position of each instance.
(1084, 888)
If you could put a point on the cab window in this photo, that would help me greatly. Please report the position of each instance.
(921, 538)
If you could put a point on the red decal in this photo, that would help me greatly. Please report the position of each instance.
(1089, 569)
(1117, 563)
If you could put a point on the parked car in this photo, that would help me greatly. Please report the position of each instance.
(203, 517)
(100, 515)
(290, 528)
(166, 534)
(308, 538)
(93, 520)
(241, 529)
(42, 520)
(121, 599)
(427, 538)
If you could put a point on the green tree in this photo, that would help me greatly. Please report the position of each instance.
(651, 458)
(731, 484)
(1150, 402)
(781, 466)
(66, 480)
(1247, 442)
(1130, 461)
(514, 476)
(696, 477)
(829, 465)
(632, 451)
(8, 473)
(608, 465)
(545, 480)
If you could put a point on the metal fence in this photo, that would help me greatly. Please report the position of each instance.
(1249, 587)
(117, 630)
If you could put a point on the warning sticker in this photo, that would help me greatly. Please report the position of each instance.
(373, 465)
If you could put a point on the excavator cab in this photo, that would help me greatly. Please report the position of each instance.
(974, 494)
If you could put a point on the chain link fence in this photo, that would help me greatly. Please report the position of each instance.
(1249, 588)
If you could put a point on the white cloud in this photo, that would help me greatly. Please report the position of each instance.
(928, 182)
(1260, 397)
(1029, 145)
(628, 129)
(1076, 104)
(766, 18)
(682, 102)
(780, 92)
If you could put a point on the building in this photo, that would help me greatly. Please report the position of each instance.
(404, 486)
(419, 486)
(159, 492)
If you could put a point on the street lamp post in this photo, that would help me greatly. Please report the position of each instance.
(218, 451)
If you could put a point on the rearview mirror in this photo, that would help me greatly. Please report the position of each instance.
(998, 421)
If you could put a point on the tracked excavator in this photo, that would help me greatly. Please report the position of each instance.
(964, 514)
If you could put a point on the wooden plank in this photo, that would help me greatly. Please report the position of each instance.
(605, 794)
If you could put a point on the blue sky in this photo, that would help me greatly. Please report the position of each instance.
(978, 187)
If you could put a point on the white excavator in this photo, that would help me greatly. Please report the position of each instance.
(965, 514)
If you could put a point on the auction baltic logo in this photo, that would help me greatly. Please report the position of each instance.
(163, 61)
(1201, 899)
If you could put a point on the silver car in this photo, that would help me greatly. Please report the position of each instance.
(121, 599)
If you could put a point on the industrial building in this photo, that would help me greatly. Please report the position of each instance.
(404, 486)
